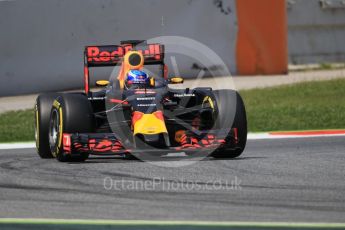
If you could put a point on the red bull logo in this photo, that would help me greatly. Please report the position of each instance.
(114, 53)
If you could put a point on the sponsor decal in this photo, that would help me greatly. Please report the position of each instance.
(144, 92)
(104, 54)
(96, 98)
(114, 53)
(146, 98)
(147, 105)
(137, 81)
(185, 95)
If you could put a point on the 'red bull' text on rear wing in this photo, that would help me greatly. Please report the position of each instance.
(112, 55)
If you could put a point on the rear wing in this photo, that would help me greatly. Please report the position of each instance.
(112, 55)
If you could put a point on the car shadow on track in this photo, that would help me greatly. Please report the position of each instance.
(115, 159)
(235, 159)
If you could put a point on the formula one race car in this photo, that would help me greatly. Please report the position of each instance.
(136, 114)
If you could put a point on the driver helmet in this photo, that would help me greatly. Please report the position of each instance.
(137, 79)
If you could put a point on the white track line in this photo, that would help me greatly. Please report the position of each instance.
(267, 136)
(154, 224)
(22, 145)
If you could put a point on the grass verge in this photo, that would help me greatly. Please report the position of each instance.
(304, 106)
(16, 126)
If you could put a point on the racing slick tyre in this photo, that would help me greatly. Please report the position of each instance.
(43, 107)
(231, 107)
(71, 113)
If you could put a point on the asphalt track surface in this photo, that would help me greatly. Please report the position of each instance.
(284, 180)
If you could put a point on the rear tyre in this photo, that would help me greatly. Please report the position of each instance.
(43, 107)
(71, 113)
(231, 108)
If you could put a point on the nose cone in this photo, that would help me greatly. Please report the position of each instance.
(150, 129)
(148, 124)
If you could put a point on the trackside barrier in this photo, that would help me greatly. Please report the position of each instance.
(262, 37)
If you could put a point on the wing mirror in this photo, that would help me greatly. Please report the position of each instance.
(176, 80)
(102, 83)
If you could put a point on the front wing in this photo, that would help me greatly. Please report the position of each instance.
(109, 144)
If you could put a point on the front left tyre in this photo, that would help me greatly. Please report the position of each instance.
(231, 116)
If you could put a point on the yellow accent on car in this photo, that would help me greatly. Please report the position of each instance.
(131, 54)
(37, 128)
(152, 82)
(102, 83)
(176, 80)
(149, 124)
(56, 104)
(209, 100)
(60, 128)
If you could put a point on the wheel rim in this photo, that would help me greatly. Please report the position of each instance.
(54, 129)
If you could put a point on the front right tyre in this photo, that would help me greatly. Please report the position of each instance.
(70, 113)
(42, 108)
